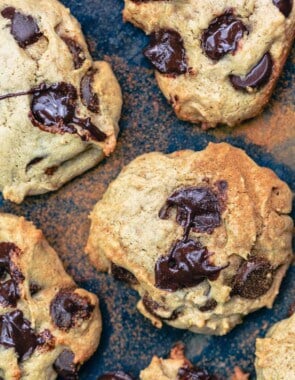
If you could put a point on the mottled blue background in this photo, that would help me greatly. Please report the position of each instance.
(148, 123)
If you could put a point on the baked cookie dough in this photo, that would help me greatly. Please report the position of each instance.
(48, 326)
(204, 237)
(59, 109)
(275, 354)
(176, 367)
(216, 61)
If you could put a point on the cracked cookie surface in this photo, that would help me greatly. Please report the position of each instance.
(216, 61)
(48, 326)
(59, 109)
(275, 354)
(204, 237)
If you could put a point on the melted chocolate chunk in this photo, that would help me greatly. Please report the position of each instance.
(16, 332)
(285, 6)
(186, 265)
(257, 77)
(68, 307)
(118, 375)
(65, 367)
(197, 207)
(166, 52)
(123, 274)
(53, 109)
(89, 98)
(24, 28)
(76, 51)
(9, 292)
(209, 305)
(194, 373)
(253, 279)
(222, 36)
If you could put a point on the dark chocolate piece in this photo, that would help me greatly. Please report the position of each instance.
(16, 332)
(51, 170)
(123, 274)
(68, 307)
(152, 306)
(166, 52)
(118, 375)
(284, 6)
(253, 279)
(34, 288)
(222, 36)
(24, 28)
(65, 367)
(209, 305)
(9, 292)
(257, 77)
(53, 109)
(186, 265)
(88, 97)
(197, 208)
(76, 51)
(194, 373)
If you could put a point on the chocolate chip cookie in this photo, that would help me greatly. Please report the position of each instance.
(275, 354)
(176, 367)
(204, 237)
(48, 326)
(216, 61)
(59, 109)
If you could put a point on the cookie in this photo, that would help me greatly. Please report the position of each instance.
(48, 326)
(204, 237)
(216, 61)
(275, 354)
(59, 109)
(176, 367)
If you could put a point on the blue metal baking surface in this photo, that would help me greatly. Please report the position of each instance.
(148, 123)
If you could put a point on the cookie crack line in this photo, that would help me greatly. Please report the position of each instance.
(53, 109)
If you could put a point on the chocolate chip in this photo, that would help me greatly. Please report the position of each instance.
(253, 279)
(89, 98)
(123, 274)
(16, 332)
(166, 52)
(68, 307)
(24, 28)
(209, 305)
(222, 36)
(54, 106)
(9, 292)
(197, 207)
(186, 265)
(152, 306)
(53, 109)
(118, 375)
(65, 367)
(76, 51)
(51, 170)
(285, 6)
(257, 77)
(34, 288)
(194, 373)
